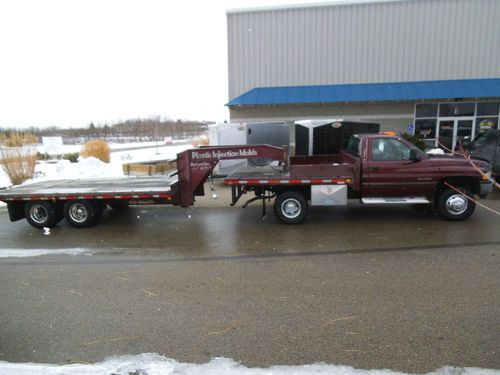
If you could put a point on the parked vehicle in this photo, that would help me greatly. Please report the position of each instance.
(375, 169)
(487, 146)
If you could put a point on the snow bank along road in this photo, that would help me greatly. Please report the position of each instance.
(392, 288)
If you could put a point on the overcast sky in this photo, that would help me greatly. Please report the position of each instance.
(72, 62)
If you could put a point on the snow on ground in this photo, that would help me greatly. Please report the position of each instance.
(68, 149)
(24, 253)
(85, 168)
(152, 364)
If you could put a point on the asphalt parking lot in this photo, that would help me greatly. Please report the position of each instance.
(369, 287)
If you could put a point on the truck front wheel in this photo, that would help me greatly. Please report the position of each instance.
(41, 214)
(290, 207)
(452, 205)
(80, 213)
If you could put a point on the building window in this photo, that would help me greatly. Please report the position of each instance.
(484, 124)
(482, 117)
(426, 110)
(456, 109)
(488, 109)
(426, 131)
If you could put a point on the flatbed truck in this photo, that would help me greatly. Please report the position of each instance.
(374, 169)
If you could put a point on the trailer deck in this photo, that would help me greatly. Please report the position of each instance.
(95, 188)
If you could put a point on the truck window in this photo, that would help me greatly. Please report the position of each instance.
(353, 146)
(387, 149)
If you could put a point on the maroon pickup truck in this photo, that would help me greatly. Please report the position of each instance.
(376, 169)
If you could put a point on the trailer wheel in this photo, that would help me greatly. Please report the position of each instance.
(80, 213)
(40, 214)
(454, 206)
(290, 207)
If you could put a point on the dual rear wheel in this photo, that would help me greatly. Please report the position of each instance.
(78, 213)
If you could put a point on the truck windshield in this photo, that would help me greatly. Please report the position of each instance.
(353, 146)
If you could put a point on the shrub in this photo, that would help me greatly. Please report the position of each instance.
(42, 156)
(72, 157)
(18, 163)
(18, 139)
(98, 149)
(415, 140)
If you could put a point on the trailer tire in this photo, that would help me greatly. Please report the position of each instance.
(80, 213)
(290, 207)
(40, 214)
(455, 207)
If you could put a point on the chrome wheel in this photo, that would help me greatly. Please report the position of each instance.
(38, 213)
(291, 208)
(457, 204)
(78, 213)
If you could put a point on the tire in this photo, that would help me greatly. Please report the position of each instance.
(454, 206)
(40, 214)
(80, 213)
(290, 207)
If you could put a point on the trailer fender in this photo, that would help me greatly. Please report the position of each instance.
(16, 210)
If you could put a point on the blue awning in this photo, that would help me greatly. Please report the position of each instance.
(370, 92)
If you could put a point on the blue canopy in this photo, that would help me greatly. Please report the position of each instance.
(370, 92)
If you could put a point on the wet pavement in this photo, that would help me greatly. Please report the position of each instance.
(370, 287)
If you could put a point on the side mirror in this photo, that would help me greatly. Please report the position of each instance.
(414, 155)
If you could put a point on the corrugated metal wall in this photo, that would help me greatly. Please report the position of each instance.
(412, 40)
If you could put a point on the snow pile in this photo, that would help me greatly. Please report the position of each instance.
(85, 168)
(152, 364)
(25, 253)
(435, 151)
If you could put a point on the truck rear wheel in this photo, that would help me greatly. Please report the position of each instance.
(452, 205)
(290, 207)
(80, 213)
(40, 214)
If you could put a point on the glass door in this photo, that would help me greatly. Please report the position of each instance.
(451, 131)
(464, 132)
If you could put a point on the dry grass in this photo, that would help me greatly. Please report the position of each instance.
(18, 139)
(98, 149)
(18, 164)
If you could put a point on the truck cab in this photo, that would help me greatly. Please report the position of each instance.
(391, 167)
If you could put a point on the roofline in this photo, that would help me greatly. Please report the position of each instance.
(311, 5)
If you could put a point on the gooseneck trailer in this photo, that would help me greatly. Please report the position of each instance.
(374, 169)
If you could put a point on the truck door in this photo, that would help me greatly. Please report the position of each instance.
(389, 172)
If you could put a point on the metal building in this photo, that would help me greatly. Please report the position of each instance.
(432, 66)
